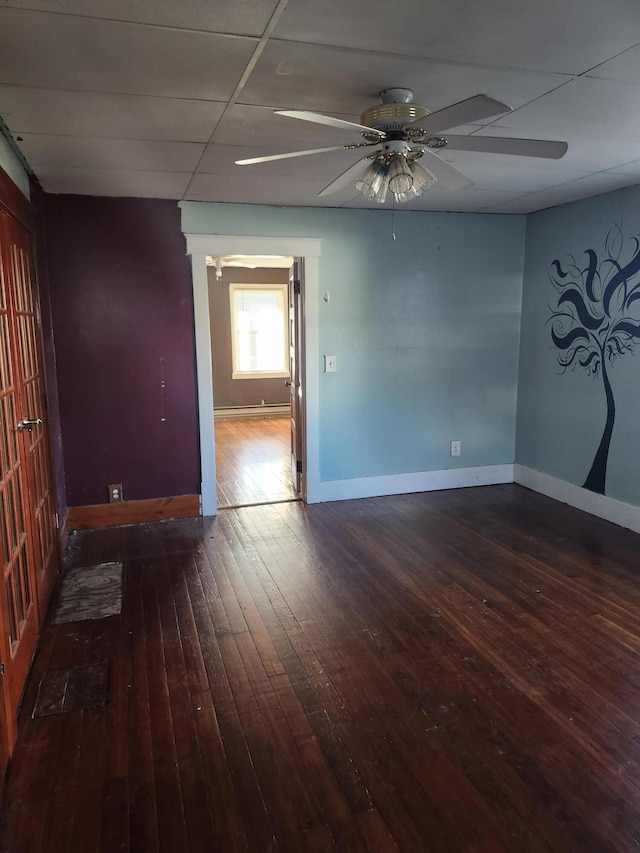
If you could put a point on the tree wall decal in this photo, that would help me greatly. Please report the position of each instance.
(597, 320)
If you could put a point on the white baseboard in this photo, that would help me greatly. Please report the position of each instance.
(275, 410)
(626, 515)
(421, 481)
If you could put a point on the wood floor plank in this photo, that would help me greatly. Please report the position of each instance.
(172, 831)
(195, 800)
(143, 815)
(453, 671)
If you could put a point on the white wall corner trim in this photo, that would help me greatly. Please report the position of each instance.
(420, 481)
(623, 514)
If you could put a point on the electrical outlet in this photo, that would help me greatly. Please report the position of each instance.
(456, 448)
(115, 493)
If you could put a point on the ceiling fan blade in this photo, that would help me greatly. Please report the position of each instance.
(447, 175)
(345, 178)
(508, 145)
(318, 118)
(271, 157)
(464, 112)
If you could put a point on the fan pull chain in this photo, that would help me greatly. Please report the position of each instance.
(393, 219)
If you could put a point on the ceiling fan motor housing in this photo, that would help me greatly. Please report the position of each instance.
(394, 113)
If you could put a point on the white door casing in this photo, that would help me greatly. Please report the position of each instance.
(201, 245)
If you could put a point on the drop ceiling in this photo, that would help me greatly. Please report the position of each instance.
(158, 98)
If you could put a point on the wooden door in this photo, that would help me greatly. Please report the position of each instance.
(27, 512)
(296, 351)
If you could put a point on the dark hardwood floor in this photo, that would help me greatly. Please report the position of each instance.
(454, 671)
(253, 461)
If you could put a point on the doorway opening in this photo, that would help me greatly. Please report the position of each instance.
(308, 250)
(256, 353)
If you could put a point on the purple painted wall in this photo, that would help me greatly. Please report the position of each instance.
(122, 311)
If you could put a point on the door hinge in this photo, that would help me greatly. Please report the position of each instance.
(296, 286)
(1, 669)
(298, 466)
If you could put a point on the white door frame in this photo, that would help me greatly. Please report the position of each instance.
(201, 245)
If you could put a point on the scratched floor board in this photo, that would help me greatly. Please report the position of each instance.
(453, 671)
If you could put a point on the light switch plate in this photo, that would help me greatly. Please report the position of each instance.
(330, 364)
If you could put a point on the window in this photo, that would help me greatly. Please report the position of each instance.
(259, 330)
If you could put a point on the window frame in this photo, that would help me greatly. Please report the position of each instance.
(259, 287)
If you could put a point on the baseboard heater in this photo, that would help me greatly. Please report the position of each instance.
(272, 410)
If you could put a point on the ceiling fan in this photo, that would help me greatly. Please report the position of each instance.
(403, 132)
(229, 261)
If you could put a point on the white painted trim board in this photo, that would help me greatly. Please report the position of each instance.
(618, 512)
(420, 481)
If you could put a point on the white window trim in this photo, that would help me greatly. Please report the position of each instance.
(259, 374)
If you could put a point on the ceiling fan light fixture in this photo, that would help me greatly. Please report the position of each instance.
(400, 175)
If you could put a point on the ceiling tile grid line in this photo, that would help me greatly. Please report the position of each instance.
(618, 56)
(282, 4)
(149, 24)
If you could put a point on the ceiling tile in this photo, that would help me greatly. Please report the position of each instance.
(625, 67)
(112, 182)
(632, 168)
(247, 190)
(573, 191)
(514, 206)
(53, 111)
(569, 36)
(333, 80)
(42, 150)
(514, 174)
(245, 17)
(606, 109)
(68, 52)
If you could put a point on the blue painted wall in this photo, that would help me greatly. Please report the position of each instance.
(425, 330)
(561, 417)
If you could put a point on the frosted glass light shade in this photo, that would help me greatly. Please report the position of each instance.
(373, 178)
(400, 176)
(410, 194)
(423, 179)
(381, 195)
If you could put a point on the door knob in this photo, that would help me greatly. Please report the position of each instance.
(28, 424)
(288, 383)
